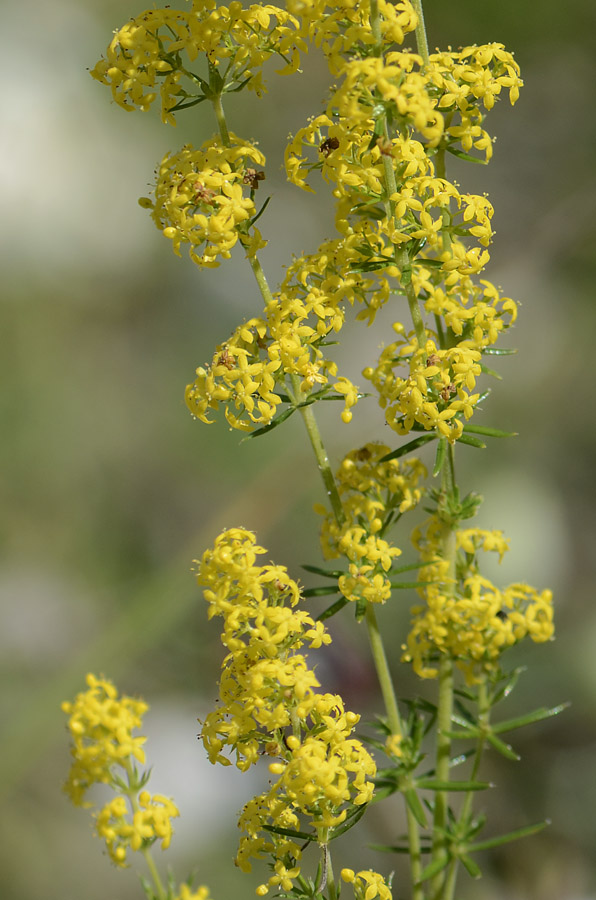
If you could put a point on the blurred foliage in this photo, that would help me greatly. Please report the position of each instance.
(109, 489)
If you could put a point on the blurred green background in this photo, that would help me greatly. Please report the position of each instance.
(109, 489)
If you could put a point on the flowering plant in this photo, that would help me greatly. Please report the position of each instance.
(408, 240)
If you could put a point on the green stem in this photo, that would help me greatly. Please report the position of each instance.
(445, 701)
(415, 855)
(312, 429)
(403, 262)
(132, 794)
(466, 810)
(221, 120)
(385, 681)
(402, 259)
(154, 874)
(261, 280)
(375, 27)
(421, 39)
(443, 757)
(330, 876)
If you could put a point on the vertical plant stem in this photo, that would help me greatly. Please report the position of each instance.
(443, 756)
(330, 877)
(312, 429)
(131, 776)
(161, 893)
(221, 120)
(402, 260)
(386, 682)
(466, 811)
(421, 39)
(445, 701)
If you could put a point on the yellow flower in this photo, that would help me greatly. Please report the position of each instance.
(470, 619)
(203, 197)
(144, 59)
(149, 823)
(101, 726)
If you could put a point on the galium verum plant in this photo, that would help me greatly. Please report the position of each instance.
(407, 239)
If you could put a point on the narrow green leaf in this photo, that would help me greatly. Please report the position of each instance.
(433, 868)
(440, 457)
(190, 103)
(434, 784)
(483, 397)
(415, 806)
(489, 432)
(234, 90)
(349, 823)
(471, 441)
(461, 154)
(471, 867)
(408, 568)
(326, 573)
(320, 591)
(427, 263)
(461, 758)
(499, 351)
(410, 585)
(510, 836)
(277, 421)
(492, 372)
(397, 848)
(289, 832)
(509, 685)
(411, 445)
(502, 748)
(388, 848)
(333, 609)
(467, 735)
(259, 214)
(537, 716)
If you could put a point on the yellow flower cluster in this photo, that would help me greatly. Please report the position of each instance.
(475, 313)
(367, 884)
(101, 726)
(144, 58)
(150, 822)
(343, 30)
(374, 494)
(270, 705)
(437, 391)
(248, 372)
(204, 197)
(380, 143)
(469, 618)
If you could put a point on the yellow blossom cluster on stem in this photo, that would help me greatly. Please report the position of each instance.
(374, 493)
(467, 617)
(146, 57)
(437, 393)
(343, 29)
(150, 821)
(248, 372)
(104, 750)
(101, 726)
(270, 705)
(204, 197)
